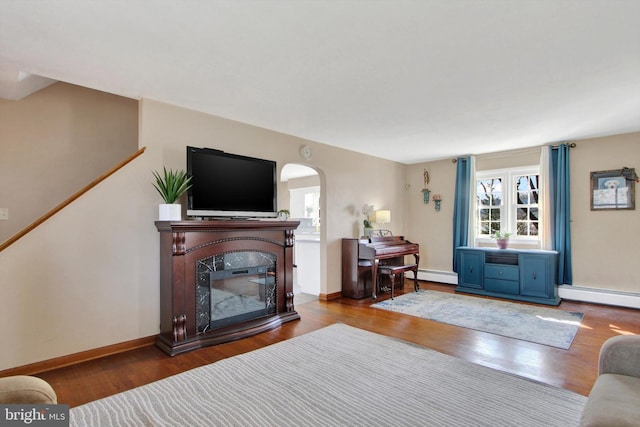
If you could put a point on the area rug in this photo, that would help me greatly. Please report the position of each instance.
(541, 325)
(338, 376)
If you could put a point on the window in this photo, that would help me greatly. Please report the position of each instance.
(507, 202)
(312, 205)
(304, 203)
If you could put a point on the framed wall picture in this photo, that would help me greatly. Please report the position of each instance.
(613, 189)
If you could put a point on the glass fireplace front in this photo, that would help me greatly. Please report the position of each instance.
(238, 295)
(233, 288)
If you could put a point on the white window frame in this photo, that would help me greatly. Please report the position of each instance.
(508, 208)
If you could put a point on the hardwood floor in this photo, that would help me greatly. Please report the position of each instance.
(574, 369)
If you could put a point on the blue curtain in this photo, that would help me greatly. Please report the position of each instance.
(461, 206)
(561, 210)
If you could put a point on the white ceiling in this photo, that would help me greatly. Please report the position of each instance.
(404, 80)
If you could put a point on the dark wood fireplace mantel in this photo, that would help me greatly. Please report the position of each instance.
(183, 247)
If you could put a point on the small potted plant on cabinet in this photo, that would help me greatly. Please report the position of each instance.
(502, 239)
(171, 185)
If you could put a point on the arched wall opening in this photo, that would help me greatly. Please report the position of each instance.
(304, 197)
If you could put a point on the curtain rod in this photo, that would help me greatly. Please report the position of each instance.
(571, 145)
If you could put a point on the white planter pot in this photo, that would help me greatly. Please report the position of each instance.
(170, 212)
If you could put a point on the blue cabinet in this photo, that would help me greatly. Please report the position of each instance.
(525, 275)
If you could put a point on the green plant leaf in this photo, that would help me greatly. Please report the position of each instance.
(171, 184)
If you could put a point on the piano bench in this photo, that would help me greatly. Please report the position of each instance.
(392, 270)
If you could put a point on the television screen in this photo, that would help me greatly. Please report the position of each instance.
(230, 185)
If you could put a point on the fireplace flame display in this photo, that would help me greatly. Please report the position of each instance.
(238, 295)
(237, 292)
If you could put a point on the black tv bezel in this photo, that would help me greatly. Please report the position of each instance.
(231, 213)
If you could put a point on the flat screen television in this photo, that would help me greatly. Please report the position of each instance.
(230, 185)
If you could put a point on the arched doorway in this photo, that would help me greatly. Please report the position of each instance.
(302, 188)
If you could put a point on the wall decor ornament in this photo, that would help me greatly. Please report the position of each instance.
(437, 199)
(425, 196)
(613, 189)
(426, 191)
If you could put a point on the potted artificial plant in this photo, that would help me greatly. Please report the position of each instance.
(367, 210)
(171, 185)
(367, 226)
(284, 214)
(502, 239)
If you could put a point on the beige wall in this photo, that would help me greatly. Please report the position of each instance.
(89, 277)
(56, 141)
(431, 229)
(348, 180)
(605, 243)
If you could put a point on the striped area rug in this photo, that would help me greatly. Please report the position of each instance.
(338, 376)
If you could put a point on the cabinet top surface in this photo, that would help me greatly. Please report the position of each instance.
(225, 224)
(509, 250)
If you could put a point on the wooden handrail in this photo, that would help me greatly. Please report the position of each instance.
(67, 202)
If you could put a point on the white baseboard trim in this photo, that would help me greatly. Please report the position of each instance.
(448, 277)
(599, 296)
(573, 293)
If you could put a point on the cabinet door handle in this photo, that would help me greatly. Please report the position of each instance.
(471, 269)
(534, 275)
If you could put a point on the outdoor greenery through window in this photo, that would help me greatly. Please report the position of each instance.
(507, 202)
(527, 193)
(489, 193)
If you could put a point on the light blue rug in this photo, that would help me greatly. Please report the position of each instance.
(541, 325)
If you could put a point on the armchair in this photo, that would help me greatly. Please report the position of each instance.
(20, 389)
(615, 397)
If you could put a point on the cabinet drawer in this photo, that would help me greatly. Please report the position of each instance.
(503, 272)
(502, 286)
